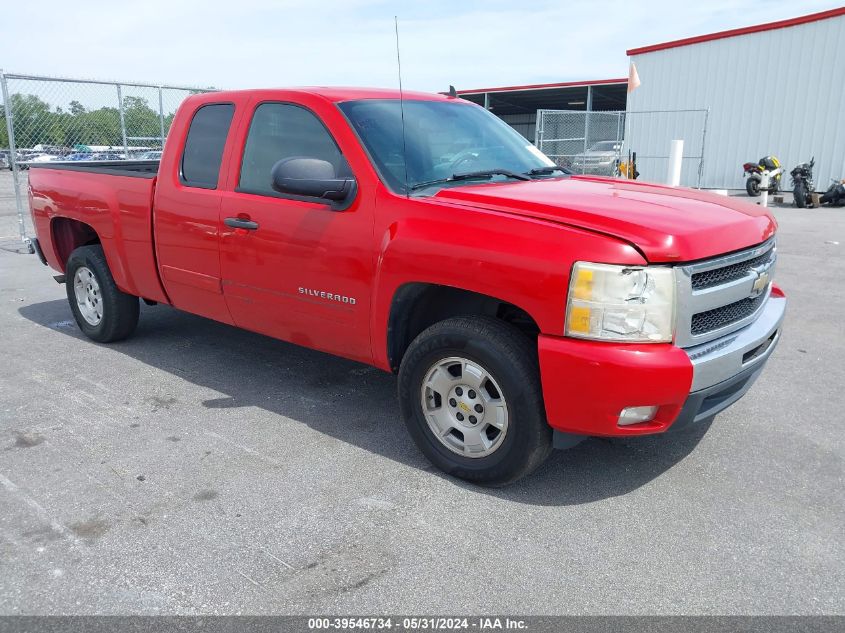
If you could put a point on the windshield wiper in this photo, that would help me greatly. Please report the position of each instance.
(472, 175)
(547, 171)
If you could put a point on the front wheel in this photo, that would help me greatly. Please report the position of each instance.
(752, 186)
(101, 310)
(469, 389)
(799, 195)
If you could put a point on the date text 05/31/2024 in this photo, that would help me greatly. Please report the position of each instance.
(417, 623)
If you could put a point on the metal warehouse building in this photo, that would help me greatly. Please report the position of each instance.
(776, 88)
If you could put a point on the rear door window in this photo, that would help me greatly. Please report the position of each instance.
(204, 145)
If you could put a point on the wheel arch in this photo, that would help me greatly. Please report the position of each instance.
(68, 234)
(416, 306)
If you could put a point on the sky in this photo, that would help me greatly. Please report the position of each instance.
(266, 43)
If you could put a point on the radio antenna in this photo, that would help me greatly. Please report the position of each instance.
(401, 107)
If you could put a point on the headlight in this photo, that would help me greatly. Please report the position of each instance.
(621, 303)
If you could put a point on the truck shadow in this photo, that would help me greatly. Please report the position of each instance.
(356, 404)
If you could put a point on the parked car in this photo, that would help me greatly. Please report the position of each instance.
(600, 160)
(522, 308)
(42, 158)
(20, 158)
(107, 156)
(149, 156)
(77, 156)
(4, 162)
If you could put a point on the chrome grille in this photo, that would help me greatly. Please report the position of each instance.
(721, 295)
(718, 276)
(717, 318)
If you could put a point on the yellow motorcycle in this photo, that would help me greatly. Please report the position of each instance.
(754, 171)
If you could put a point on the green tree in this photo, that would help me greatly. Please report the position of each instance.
(4, 135)
(32, 120)
(36, 123)
(141, 120)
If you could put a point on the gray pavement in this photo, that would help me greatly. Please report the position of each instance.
(199, 469)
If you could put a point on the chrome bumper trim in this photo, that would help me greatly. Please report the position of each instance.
(720, 359)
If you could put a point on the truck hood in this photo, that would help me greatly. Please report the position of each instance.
(666, 224)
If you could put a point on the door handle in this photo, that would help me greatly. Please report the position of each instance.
(240, 223)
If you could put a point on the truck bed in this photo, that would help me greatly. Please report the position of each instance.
(114, 199)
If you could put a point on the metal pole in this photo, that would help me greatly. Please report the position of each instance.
(160, 115)
(764, 189)
(619, 137)
(486, 100)
(587, 116)
(104, 83)
(122, 121)
(13, 156)
(701, 158)
(538, 130)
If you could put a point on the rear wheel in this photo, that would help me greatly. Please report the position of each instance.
(799, 195)
(469, 388)
(101, 310)
(752, 186)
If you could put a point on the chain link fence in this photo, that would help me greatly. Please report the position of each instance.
(49, 118)
(598, 143)
(585, 142)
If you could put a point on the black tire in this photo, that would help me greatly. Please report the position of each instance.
(752, 186)
(799, 196)
(119, 310)
(510, 357)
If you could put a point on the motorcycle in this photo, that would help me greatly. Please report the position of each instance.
(835, 194)
(802, 184)
(754, 171)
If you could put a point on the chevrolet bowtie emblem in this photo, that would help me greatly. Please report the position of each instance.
(760, 283)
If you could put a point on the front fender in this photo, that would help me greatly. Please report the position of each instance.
(518, 260)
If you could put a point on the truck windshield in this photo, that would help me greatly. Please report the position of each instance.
(445, 142)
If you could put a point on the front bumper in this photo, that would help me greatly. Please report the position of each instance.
(586, 384)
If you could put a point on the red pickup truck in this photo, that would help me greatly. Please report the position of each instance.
(522, 307)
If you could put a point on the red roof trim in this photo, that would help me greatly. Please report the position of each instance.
(565, 84)
(769, 26)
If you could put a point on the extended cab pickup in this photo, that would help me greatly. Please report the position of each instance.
(522, 307)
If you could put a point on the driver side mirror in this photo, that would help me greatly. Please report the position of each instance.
(313, 178)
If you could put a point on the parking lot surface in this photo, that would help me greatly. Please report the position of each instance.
(200, 469)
